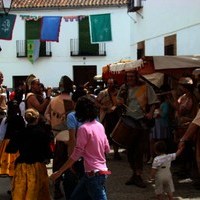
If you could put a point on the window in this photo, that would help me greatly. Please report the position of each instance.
(140, 50)
(170, 45)
(134, 5)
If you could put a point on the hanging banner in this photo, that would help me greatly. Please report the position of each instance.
(50, 28)
(33, 50)
(30, 17)
(7, 23)
(100, 28)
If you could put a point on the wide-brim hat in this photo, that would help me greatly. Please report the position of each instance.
(185, 81)
(30, 79)
(196, 72)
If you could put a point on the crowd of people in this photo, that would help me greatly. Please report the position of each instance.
(77, 128)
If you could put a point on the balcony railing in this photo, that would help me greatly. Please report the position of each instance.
(87, 51)
(45, 49)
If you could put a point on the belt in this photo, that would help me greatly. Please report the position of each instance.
(98, 173)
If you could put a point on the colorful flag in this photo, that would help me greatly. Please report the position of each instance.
(33, 50)
(7, 23)
(100, 28)
(50, 28)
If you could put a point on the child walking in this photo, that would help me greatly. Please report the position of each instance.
(30, 180)
(161, 171)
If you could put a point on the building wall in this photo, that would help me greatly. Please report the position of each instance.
(161, 18)
(50, 69)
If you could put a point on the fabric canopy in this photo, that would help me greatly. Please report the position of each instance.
(175, 62)
(126, 65)
(156, 78)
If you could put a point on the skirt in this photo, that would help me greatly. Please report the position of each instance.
(30, 182)
(7, 160)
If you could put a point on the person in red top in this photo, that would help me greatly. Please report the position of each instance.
(92, 144)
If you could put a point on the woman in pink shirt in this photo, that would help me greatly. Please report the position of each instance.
(92, 145)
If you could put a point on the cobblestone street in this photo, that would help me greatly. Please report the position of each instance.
(117, 190)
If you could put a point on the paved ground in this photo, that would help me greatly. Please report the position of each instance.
(117, 190)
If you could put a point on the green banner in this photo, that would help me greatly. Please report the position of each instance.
(100, 28)
(33, 49)
(7, 23)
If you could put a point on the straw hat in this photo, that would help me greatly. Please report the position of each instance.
(185, 81)
(30, 79)
(196, 72)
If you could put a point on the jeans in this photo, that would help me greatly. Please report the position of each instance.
(90, 188)
(71, 179)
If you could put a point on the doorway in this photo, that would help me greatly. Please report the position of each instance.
(84, 74)
(18, 80)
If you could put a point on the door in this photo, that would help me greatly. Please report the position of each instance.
(19, 80)
(84, 74)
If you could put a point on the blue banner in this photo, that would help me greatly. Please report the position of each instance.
(50, 28)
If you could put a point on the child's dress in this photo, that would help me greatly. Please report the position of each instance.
(163, 177)
(30, 180)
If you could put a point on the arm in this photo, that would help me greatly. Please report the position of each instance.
(179, 151)
(77, 151)
(67, 165)
(152, 174)
(152, 101)
(189, 134)
(72, 125)
(47, 113)
(33, 102)
(72, 141)
(150, 114)
(3, 127)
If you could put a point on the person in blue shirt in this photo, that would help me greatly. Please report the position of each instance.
(72, 176)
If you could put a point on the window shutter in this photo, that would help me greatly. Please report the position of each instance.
(33, 32)
(85, 46)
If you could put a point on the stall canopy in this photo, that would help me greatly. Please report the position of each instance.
(175, 62)
(126, 65)
(152, 68)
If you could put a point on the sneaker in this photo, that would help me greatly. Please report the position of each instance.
(130, 181)
(139, 182)
(136, 180)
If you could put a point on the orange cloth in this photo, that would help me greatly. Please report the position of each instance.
(30, 182)
(7, 160)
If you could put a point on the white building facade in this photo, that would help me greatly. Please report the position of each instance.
(158, 28)
(50, 69)
(161, 23)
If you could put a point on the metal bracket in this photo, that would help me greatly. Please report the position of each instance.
(140, 14)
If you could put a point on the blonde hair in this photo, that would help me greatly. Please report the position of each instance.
(31, 115)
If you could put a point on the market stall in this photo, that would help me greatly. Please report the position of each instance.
(157, 70)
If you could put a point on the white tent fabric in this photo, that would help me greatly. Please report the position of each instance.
(175, 62)
(120, 66)
(156, 78)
